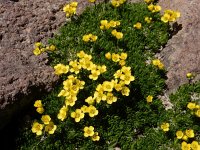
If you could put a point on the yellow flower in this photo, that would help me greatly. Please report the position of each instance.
(88, 131)
(165, 127)
(60, 69)
(38, 44)
(185, 138)
(108, 86)
(122, 62)
(37, 51)
(126, 70)
(149, 98)
(110, 98)
(119, 35)
(195, 145)
(117, 3)
(185, 146)
(148, 1)
(70, 101)
(104, 22)
(189, 133)
(62, 113)
(81, 54)
(52, 48)
(157, 62)
(118, 74)
(92, 1)
(95, 74)
(115, 57)
(191, 105)
(189, 75)
(46, 119)
(75, 67)
(77, 115)
(118, 87)
(93, 38)
(84, 109)
(99, 95)
(86, 38)
(127, 78)
(197, 106)
(89, 100)
(38, 103)
(165, 18)
(40, 110)
(108, 55)
(114, 32)
(37, 128)
(95, 137)
(102, 69)
(125, 91)
(179, 134)
(171, 15)
(92, 111)
(123, 56)
(50, 128)
(70, 9)
(197, 113)
(148, 19)
(138, 25)
(154, 8)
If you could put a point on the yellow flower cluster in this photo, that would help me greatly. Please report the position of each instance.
(117, 3)
(40, 48)
(148, 19)
(170, 16)
(158, 63)
(193, 146)
(48, 126)
(61, 69)
(70, 9)
(194, 107)
(89, 38)
(107, 25)
(165, 126)
(89, 132)
(118, 35)
(38, 105)
(117, 58)
(184, 135)
(71, 88)
(154, 8)
(138, 25)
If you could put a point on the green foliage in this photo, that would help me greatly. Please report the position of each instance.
(131, 122)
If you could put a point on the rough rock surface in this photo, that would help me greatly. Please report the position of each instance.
(23, 75)
(182, 53)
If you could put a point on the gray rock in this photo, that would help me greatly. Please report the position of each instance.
(182, 53)
(23, 76)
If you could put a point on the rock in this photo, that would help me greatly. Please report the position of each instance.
(182, 52)
(23, 76)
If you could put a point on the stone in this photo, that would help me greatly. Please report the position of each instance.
(23, 76)
(182, 52)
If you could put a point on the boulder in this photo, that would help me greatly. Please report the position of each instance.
(182, 52)
(23, 76)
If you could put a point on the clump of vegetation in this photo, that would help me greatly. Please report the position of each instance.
(109, 83)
